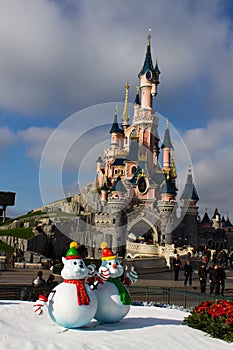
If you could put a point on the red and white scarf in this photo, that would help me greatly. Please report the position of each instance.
(82, 296)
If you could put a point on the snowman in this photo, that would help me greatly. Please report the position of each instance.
(71, 304)
(113, 298)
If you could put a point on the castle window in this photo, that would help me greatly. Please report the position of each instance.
(115, 171)
(113, 221)
(133, 170)
(122, 172)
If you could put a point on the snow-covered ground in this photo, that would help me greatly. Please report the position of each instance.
(144, 327)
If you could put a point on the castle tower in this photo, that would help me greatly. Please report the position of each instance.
(189, 211)
(144, 116)
(117, 204)
(149, 78)
(116, 132)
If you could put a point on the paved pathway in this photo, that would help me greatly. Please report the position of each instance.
(159, 279)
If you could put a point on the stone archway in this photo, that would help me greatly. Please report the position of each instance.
(142, 228)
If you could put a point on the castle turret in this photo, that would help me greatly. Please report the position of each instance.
(115, 131)
(99, 164)
(166, 147)
(149, 78)
(189, 210)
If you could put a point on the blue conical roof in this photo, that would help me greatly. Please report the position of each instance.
(167, 138)
(148, 63)
(189, 191)
(115, 127)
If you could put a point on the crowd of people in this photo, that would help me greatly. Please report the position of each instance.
(40, 281)
(215, 274)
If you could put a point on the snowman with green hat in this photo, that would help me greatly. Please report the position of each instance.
(113, 298)
(72, 303)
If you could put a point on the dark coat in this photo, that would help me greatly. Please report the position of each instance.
(214, 275)
(176, 264)
(222, 274)
(202, 273)
(188, 269)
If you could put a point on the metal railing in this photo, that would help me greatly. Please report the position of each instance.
(22, 292)
(168, 296)
(139, 295)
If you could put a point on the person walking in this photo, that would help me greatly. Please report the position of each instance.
(177, 265)
(222, 276)
(214, 279)
(188, 273)
(202, 275)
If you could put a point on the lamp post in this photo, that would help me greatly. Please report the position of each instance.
(93, 250)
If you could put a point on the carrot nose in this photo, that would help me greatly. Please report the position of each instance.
(114, 265)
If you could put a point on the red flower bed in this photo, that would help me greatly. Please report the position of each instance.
(214, 318)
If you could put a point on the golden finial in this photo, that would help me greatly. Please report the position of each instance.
(173, 165)
(125, 114)
(137, 90)
(149, 36)
(157, 61)
(167, 123)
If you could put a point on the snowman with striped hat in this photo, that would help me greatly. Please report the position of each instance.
(113, 298)
(72, 303)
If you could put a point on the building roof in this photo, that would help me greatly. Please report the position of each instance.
(167, 138)
(99, 160)
(115, 127)
(227, 222)
(118, 186)
(206, 219)
(119, 161)
(189, 191)
(168, 186)
(148, 63)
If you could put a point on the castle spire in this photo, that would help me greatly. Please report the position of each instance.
(125, 114)
(115, 131)
(148, 63)
(189, 192)
(167, 138)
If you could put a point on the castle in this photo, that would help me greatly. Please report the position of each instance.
(134, 197)
(133, 202)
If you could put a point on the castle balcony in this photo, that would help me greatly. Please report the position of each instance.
(136, 250)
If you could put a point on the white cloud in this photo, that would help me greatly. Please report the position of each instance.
(35, 139)
(53, 59)
(211, 150)
(7, 138)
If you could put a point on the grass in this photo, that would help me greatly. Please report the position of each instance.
(6, 247)
(23, 233)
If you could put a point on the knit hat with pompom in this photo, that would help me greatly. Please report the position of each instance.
(107, 253)
(72, 253)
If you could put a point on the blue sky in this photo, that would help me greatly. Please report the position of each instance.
(61, 58)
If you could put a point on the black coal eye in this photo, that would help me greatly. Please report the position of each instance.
(81, 265)
(117, 263)
(109, 263)
(75, 262)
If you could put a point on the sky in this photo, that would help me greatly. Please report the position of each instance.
(63, 68)
(143, 327)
